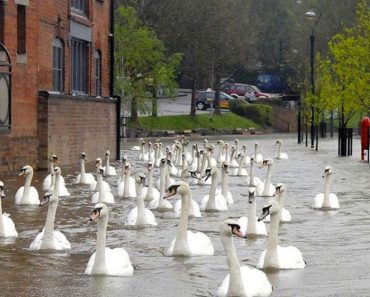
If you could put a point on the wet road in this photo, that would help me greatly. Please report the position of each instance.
(334, 244)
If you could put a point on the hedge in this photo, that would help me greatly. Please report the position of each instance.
(259, 113)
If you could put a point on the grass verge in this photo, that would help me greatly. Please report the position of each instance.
(226, 121)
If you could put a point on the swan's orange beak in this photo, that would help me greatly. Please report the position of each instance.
(236, 231)
(94, 216)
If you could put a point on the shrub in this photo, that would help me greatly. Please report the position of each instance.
(259, 113)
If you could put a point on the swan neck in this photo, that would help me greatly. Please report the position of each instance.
(236, 285)
(252, 220)
(56, 184)
(49, 223)
(251, 174)
(83, 172)
(126, 190)
(224, 181)
(268, 181)
(279, 149)
(27, 186)
(211, 204)
(181, 242)
(273, 237)
(162, 181)
(100, 243)
(327, 188)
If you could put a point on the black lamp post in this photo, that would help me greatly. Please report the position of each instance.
(311, 14)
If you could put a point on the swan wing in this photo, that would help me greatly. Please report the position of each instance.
(131, 217)
(318, 200)
(46, 184)
(150, 218)
(36, 243)
(60, 241)
(199, 244)
(9, 227)
(290, 258)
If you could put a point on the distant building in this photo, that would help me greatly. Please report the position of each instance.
(55, 92)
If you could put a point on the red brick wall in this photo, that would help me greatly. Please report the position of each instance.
(46, 20)
(69, 126)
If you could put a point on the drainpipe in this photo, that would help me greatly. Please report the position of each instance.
(111, 83)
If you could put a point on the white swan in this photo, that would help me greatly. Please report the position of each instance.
(48, 180)
(143, 154)
(160, 203)
(254, 181)
(48, 238)
(276, 256)
(247, 159)
(225, 183)
(280, 191)
(257, 157)
(233, 163)
(204, 154)
(102, 196)
(326, 200)
(268, 188)
(126, 187)
(149, 193)
(279, 154)
(244, 280)
(250, 225)
(187, 243)
(27, 194)
(140, 216)
(95, 186)
(7, 227)
(241, 170)
(109, 170)
(106, 261)
(194, 210)
(221, 155)
(213, 202)
(83, 177)
(58, 187)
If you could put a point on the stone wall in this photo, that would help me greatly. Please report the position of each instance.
(69, 125)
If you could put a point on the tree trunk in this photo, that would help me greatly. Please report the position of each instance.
(192, 106)
(217, 95)
(154, 103)
(134, 118)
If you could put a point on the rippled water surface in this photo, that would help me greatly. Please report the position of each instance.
(334, 244)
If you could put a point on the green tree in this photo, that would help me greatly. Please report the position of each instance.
(140, 61)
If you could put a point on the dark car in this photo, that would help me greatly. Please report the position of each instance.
(204, 99)
(271, 83)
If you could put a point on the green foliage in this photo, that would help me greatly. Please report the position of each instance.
(204, 121)
(343, 78)
(141, 63)
(259, 113)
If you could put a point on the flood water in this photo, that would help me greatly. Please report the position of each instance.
(334, 244)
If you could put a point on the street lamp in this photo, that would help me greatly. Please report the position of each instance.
(311, 15)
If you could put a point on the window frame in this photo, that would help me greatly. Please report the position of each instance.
(79, 65)
(98, 73)
(6, 74)
(58, 70)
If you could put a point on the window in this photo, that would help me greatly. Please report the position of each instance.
(79, 51)
(79, 6)
(5, 88)
(57, 65)
(21, 29)
(97, 73)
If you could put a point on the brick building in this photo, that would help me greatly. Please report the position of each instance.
(55, 90)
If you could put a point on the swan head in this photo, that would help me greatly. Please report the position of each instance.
(279, 189)
(256, 145)
(83, 156)
(50, 198)
(193, 174)
(230, 227)
(150, 166)
(107, 154)
(267, 162)
(210, 171)
(163, 162)
(140, 178)
(2, 193)
(328, 171)
(25, 170)
(251, 194)
(225, 166)
(236, 141)
(127, 168)
(100, 210)
(54, 159)
(98, 163)
(180, 188)
(272, 208)
(57, 170)
(279, 141)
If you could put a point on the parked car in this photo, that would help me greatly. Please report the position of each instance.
(205, 98)
(245, 91)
